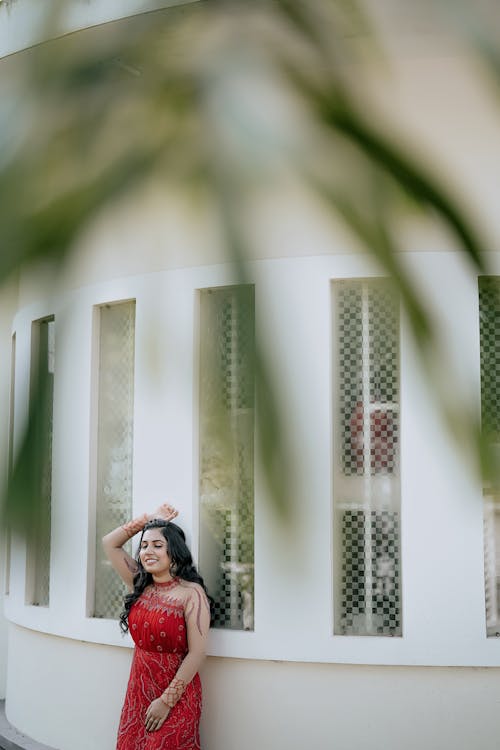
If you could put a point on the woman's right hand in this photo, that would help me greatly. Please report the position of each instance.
(166, 512)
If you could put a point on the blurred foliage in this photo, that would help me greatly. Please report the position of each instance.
(220, 99)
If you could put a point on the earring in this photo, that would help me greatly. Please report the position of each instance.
(172, 569)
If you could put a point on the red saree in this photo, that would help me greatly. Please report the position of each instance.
(158, 627)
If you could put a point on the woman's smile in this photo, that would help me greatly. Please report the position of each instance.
(153, 553)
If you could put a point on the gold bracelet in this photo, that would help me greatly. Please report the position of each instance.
(133, 527)
(172, 694)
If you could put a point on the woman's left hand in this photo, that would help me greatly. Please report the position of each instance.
(156, 714)
(166, 511)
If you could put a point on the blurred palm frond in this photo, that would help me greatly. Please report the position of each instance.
(219, 99)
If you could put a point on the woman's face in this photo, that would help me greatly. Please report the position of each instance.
(153, 554)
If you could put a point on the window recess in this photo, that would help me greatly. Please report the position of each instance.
(367, 574)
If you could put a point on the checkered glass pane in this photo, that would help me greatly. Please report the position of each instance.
(114, 444)
(367, 488)
(489, 333)
(42, 382)
(227, 452)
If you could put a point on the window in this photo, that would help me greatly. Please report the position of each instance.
(114, 444)
(227, 452)
(489, 338)
(366, 458)
(41, 416)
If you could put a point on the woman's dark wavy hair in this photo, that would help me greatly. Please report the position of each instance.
(182, 562)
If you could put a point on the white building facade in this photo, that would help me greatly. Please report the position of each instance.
(370, 620)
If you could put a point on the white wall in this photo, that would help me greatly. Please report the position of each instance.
(441, 509)
(344, 707)
(298, 684)
(8, 303)
(247, 704)
(3, 622)
(77, 690)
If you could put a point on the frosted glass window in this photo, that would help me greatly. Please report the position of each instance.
(227, 385)
(41, 408)
(115, 412)
(366, 458)
(489, 331)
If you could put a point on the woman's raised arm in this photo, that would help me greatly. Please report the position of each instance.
(122, 562)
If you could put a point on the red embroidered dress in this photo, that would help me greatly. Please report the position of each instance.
(158, 626)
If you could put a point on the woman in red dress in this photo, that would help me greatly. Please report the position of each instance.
(168, 615)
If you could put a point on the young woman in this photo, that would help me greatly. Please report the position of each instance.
(168, 615)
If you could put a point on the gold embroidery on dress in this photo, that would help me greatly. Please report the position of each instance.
(153, 601)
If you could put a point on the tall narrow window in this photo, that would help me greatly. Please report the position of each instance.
(41, 418)
(115, 411)
(10, 459)
(366, 459)
(227, 452)
(489, 337)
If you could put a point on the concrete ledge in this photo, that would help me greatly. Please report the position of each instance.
(11, 739)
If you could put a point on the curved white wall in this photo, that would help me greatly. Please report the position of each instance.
(8, 305)
(78, 689)
(442, 552)
(333, 686)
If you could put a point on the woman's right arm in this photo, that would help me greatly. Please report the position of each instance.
(122, 562)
